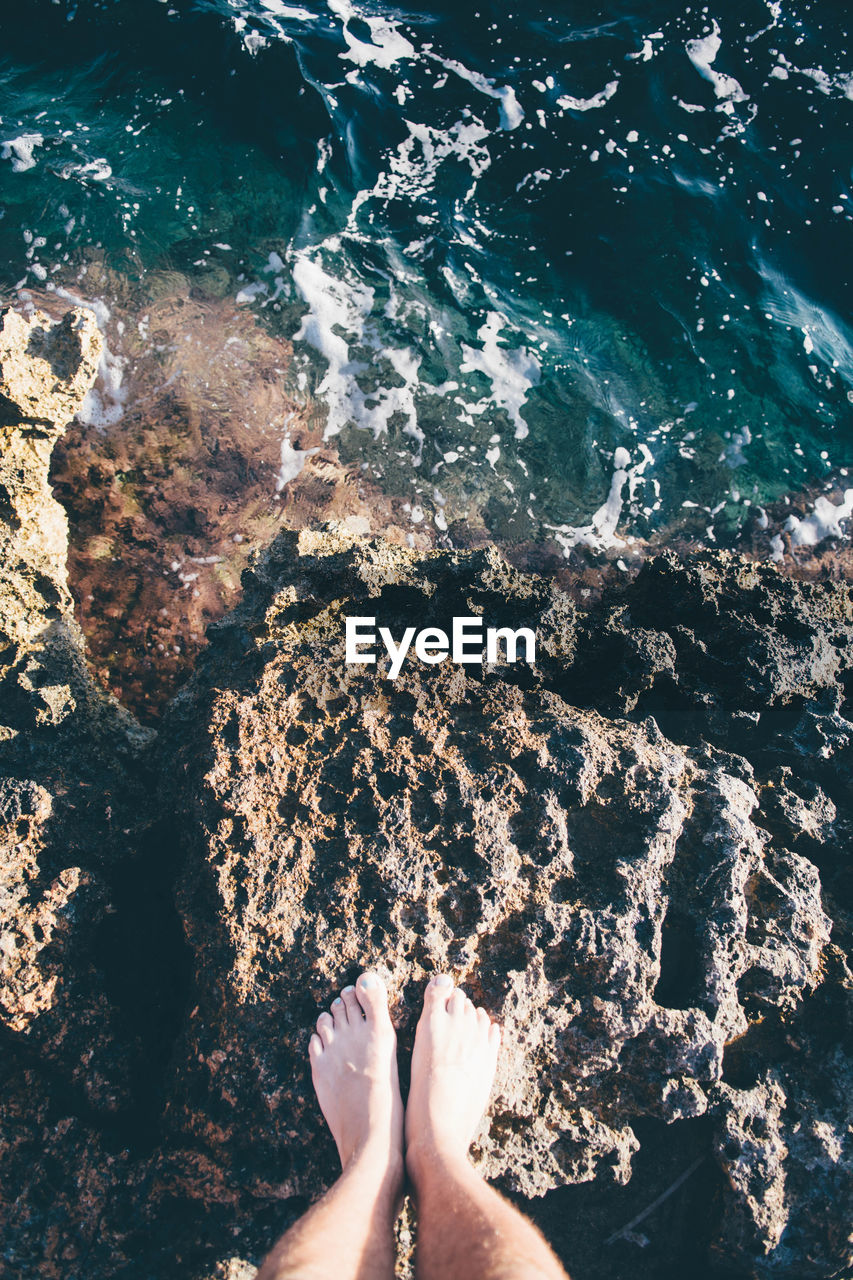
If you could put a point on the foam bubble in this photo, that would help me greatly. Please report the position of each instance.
(20, 151)
(105, 404)
(601, 532)
(287, 11)
(387, 44)
(511, 113)
(332, 304)
(569, 103)
(251, 291)
(292, 462)
(702, 53)
(824, 522)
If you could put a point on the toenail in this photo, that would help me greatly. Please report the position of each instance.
(346, 989)
(337, 1000)
(368, 980)
(443, 980)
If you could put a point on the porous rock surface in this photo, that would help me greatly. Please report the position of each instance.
(632, 906)
(634, 854)
(72, 778)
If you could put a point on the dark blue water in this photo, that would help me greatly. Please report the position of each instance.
(557, 270)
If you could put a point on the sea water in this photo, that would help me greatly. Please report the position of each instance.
(584, 271)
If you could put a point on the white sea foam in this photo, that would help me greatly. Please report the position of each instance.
(600, 534)
(511, 113)
(97, 170)
(512, 373)
(702, 53)
(824, 522)
(20, 151)
(775, 7)
(387, 43)
(332, 304)
(336, 305)
(96, 305)
(413, 166)
(104, 405)
(646, 53)
(569, 103)
(292, 462)
(252, 291)
(829, 85)
(253, 41)
(287, 10)
(735, 456)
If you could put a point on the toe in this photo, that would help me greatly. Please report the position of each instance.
(350, 1003)
(457, 1003)
(326, 1028)
(339, 1012)
(483, 1019)
(437, 991)
(373, 998)
(315, 1047)
(494, 1036)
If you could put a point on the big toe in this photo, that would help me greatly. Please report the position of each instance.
(438, 991)
(373, 998)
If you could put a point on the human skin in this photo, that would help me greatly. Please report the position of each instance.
(466, 1231)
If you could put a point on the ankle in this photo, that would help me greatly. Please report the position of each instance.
(428, 1160)
(375, 1166)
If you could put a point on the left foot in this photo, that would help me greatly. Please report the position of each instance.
(453, 1066)
(354, 1068)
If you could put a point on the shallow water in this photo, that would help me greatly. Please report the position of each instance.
(562, 273)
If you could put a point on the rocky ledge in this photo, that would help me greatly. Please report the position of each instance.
(634, 853)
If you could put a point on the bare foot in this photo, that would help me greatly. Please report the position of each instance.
(354, 1068)
(453, 1066)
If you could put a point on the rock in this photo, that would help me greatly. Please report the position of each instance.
(45, 372)
(215, 281)
(59, 1180)
(784, 1144)
(634, 854)
(161, 285)
(72, 769)
(202, 463)
(608, 893)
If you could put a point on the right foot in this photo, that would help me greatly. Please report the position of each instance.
(354, 1068)
(453, 1066)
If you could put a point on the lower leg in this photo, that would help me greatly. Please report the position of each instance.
(349, 1233)
(465, 1229)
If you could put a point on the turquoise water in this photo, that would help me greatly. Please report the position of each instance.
(583, 272)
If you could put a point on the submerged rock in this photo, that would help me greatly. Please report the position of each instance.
(191, 452)
(634, 853)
